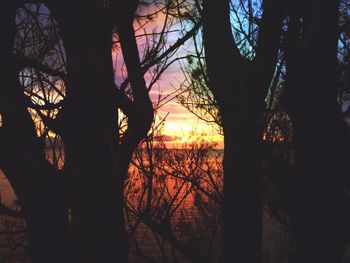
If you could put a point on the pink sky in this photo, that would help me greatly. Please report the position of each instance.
(180, 125)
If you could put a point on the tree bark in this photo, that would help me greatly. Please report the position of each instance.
(241, 105)
(90, 133)
(319, 134)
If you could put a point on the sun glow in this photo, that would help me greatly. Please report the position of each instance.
(179, 133)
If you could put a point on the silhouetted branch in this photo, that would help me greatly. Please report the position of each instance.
(169, 51)
(28, 62)
(4, 210)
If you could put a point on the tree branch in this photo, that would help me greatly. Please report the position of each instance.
(4, 210)
(28, 62)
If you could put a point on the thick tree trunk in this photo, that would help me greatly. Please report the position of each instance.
(90, 134)
(34, 181)
(240, 88)
(319, 134)
(242, 198)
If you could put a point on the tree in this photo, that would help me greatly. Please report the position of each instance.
(94, 191)
(81, 205)
(22, 155)
(240, 99)
(319, 131)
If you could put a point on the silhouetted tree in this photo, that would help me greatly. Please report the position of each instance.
(35, 182)
(88, 125)
(76, 217)
(319, 131)
(240, 87)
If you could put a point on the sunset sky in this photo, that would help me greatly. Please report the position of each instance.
(180, 125)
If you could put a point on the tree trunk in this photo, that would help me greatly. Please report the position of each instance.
(240, 88)
(319, 133)
(36, 184)
(90, 134)
(140, 115)
(242, 199)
